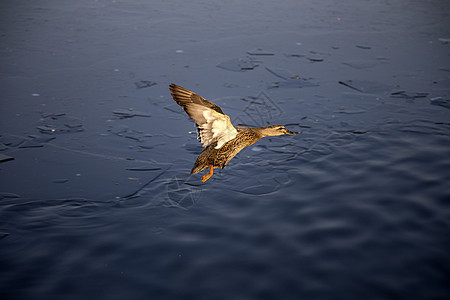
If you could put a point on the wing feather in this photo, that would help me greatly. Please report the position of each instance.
(213, 125)
(183, 96)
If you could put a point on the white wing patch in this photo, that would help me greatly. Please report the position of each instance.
(219, 128)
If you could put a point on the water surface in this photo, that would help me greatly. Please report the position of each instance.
(96, 201)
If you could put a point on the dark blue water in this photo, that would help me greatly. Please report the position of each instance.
(96, 201)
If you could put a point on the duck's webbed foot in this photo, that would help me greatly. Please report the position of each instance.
(207, 176)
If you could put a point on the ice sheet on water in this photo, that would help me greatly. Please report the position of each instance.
(293, 83)
(294, 55)
(15, 141)
(360, 64)
(31, 144)
(60, 180)
(230, 85)
(36, 142)
(365, 86)
(11, 140)
(127, 132)
(259, 51)
(282, 73)
(441, 102)
(143, 168)
(146, 145)
(408, 95)
(144, 84)
(4, 158)
(345, 111)
(59, 123)
(4, 195)
(239, 64)
(129, 113)
(315, 58)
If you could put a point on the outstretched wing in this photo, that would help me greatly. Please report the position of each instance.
(183, 96)
(212, 123)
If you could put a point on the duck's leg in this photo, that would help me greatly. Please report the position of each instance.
(207, 176)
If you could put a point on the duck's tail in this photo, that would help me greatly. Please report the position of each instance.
(198, 168)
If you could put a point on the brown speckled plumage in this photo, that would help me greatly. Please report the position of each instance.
(221, 140)
(220, 157)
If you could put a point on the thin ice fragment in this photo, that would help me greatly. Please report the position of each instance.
(60, 180)
(31, 144)
(408, 95)
(126, 132)
(359, 131)
(140, 169)
(364, 86)
(5, 158)
(315, 59)
(292, 83)
(294, 55)
(11, 140)
(349, 85)
(238, 64)
(129, 113)
(46, 129)
(4, 195)
(441, 102)
(59, 123)
(282, 73)
(36, 142)
(144, 84)
(230, 85)
(361, 64)
(260, 51)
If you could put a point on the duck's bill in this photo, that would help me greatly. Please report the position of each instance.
(288, 132)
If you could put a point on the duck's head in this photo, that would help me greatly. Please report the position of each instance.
(276, 130)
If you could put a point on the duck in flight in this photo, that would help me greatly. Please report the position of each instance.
(221, 140)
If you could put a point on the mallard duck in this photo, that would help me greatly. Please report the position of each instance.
(221, 140)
